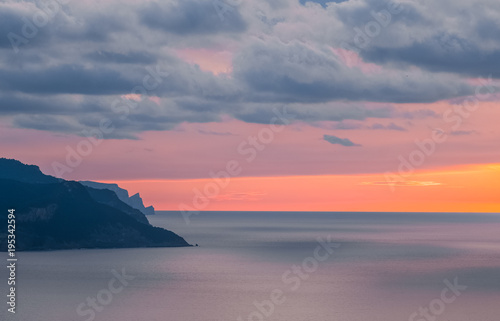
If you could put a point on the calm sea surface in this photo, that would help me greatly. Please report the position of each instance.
(381, 266)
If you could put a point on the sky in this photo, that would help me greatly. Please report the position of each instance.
(286, 105)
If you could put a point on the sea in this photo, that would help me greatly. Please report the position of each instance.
(276, 266)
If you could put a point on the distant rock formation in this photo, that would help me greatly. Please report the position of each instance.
(105, 196)
(55, 214)
(134, 201)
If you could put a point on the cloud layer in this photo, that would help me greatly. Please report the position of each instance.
(63, 67)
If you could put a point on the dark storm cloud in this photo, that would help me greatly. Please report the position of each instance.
(339, 141)
(186, 17)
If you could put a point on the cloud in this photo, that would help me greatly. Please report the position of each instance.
(72, 114)
(132, 57)
(46, 26)
(391, 126)
(284, 54)
(18, 104)
(186, 17)
(424, 35)
(463, 57)
(357, 125)
(264, 113)
(46, 122)
(211, 132)
(463, 132)
(347, 126)
(323, 3)
(339, 141)
(66, 79)
(294, 71)
(417, 114)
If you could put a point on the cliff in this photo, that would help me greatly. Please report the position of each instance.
(134, 201)
(56, 214)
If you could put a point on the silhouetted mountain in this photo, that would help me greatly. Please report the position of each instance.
(14, 169)
(134, 201)
(56, 214)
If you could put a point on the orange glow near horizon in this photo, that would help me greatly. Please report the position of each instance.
(471, 188)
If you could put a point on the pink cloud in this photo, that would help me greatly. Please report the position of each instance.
(215, 61)
(352, 60)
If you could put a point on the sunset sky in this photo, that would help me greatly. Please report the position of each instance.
(353, 105)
